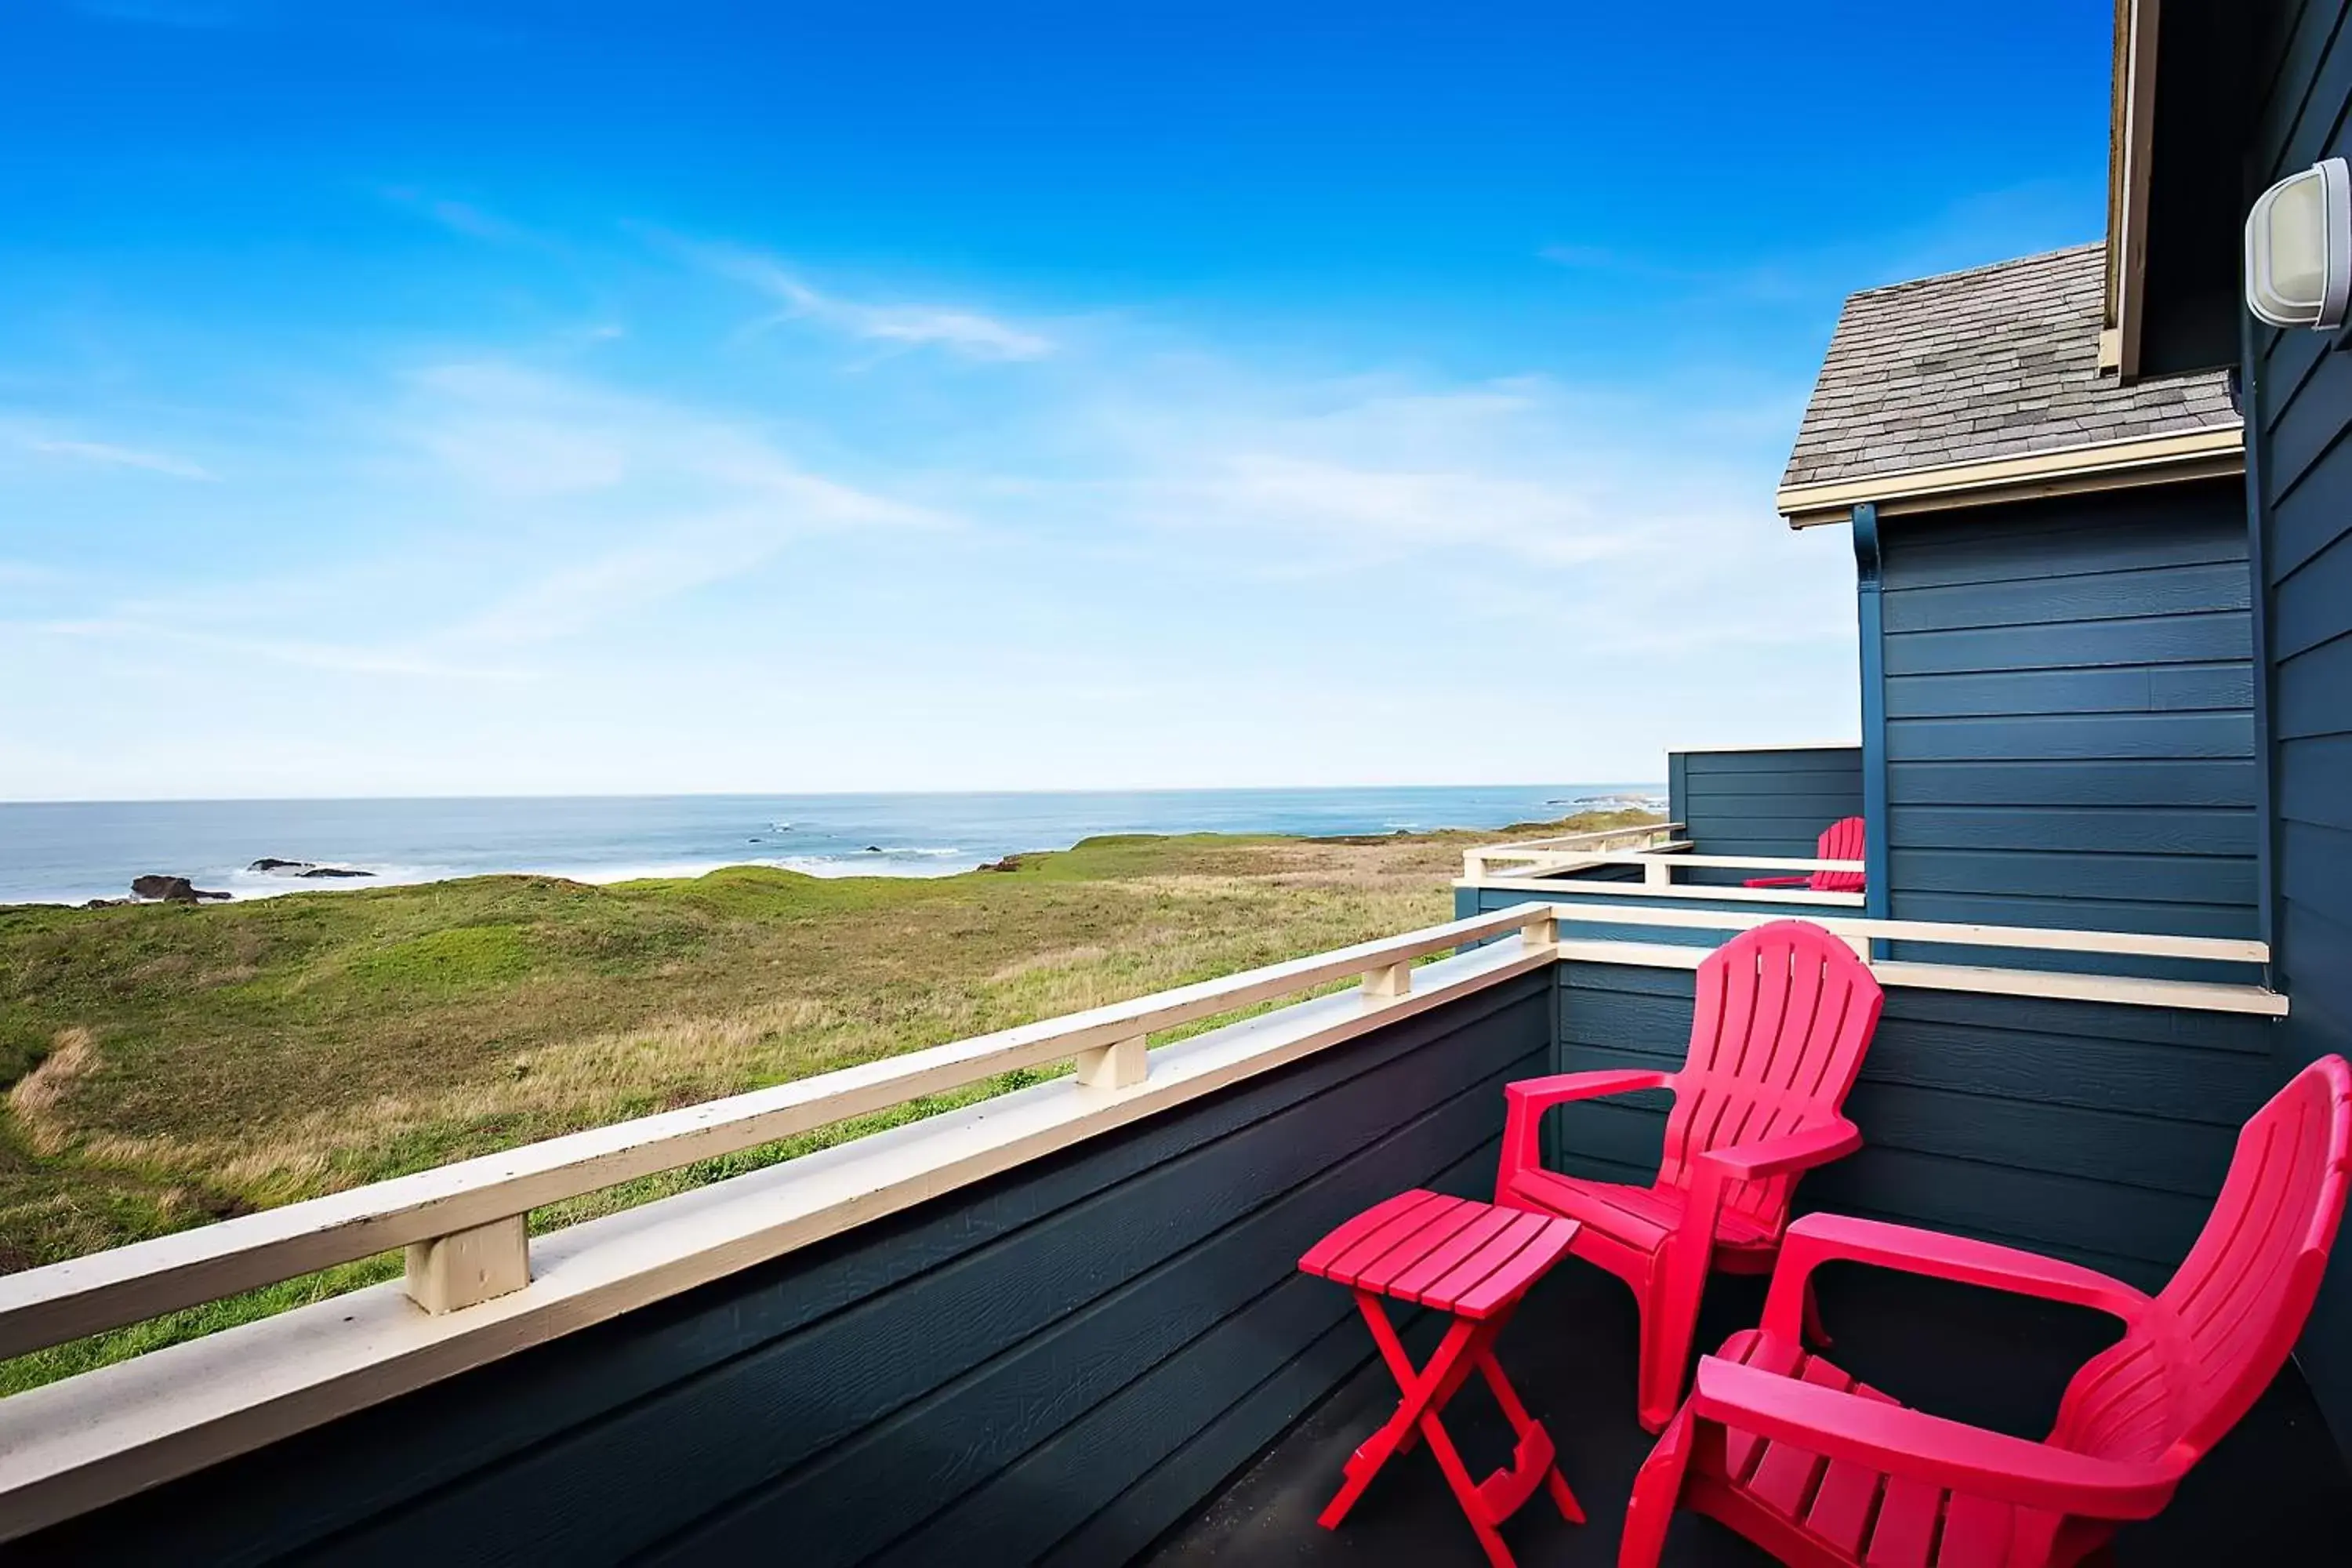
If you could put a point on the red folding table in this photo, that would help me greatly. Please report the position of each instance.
(1472, 1261)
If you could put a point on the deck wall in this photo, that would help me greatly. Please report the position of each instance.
(1053, 1366)
(1770, 801)
(2090, 1131)
(2069, 700)
(2300, 391)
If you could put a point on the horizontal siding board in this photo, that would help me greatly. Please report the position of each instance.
(2308, 428)
(2316, 515)
(2029, 550)
(2314, 868)
(2075, 781)
(2204, 638)
(2161, 689)
(2082, 1209)
(2305, 95)
(2308, 609)
(2074, 912)
(2315, 781)
(2076, 737)
(2313, 691)
(1130, 1523)
(2312, 968)
(2144, 878)
(1800, 760)
(2094, 596)
(2151, 1231)
(2192, 830)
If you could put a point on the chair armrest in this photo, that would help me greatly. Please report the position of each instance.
(1819, 1238)
(1833, 1140)
(1912, 1443)
(1526, 1101)
(1776, 881)
(1540, 1094)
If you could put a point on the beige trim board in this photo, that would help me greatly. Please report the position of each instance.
(1854, 744)
(2104, 465)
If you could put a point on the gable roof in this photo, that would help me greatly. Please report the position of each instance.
(1972, 369)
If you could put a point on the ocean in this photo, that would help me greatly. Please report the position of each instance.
(67, 852)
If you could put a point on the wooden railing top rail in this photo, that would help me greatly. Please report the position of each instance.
(1568, 850)
(1854, 928)
(1598, 836)
(145, 1279)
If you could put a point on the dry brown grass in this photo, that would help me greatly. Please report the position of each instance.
(257, 1054)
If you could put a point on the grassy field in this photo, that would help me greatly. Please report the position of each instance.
(167, 1065)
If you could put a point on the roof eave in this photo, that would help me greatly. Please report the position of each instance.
(2107, 465)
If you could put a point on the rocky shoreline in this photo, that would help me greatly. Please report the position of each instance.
(163, 888)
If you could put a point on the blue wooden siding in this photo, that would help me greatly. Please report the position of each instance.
(2083, 1130)
(2300, 393)
(1761, 802)
(1053, 1366)
(2069, 695)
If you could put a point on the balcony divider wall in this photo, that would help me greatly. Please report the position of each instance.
(1055, 1366)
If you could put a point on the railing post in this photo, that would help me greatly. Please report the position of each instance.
(1540, 934)
(1657, 873)
(469, 1266)
(1115, 1065)
(1389, 980)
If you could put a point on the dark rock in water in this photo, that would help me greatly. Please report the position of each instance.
(170, 890)
(751, 840)
(277, 867)
(873, 850)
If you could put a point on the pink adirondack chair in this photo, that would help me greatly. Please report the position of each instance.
(1841, 840)
(1784, 1014)
(1824, 1472)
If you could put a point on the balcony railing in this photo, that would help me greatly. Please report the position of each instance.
(480, 1287)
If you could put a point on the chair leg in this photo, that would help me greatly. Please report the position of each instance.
(1669, 1319)
(1656, 1490)
(1817, 1334)
(1425, 1390)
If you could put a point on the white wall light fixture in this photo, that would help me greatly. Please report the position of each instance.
(2299, 248)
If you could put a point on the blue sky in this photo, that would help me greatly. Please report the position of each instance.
(518, 399)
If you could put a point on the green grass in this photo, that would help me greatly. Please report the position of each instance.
(167, 1066)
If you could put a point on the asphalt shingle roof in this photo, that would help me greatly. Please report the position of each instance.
(1997, 361)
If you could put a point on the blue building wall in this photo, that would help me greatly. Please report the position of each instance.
(2299, 393)
(2084, 1130)
(1761, 802)
(1053, 1366)
(2070, 713)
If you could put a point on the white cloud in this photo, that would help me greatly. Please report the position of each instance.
(959, 330)
(113, 456)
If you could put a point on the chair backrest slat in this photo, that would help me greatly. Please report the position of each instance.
(1783, 1014)
(1841, 840)
(2212, 1342)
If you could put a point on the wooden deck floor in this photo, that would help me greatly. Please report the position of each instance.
(1969, 1354)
